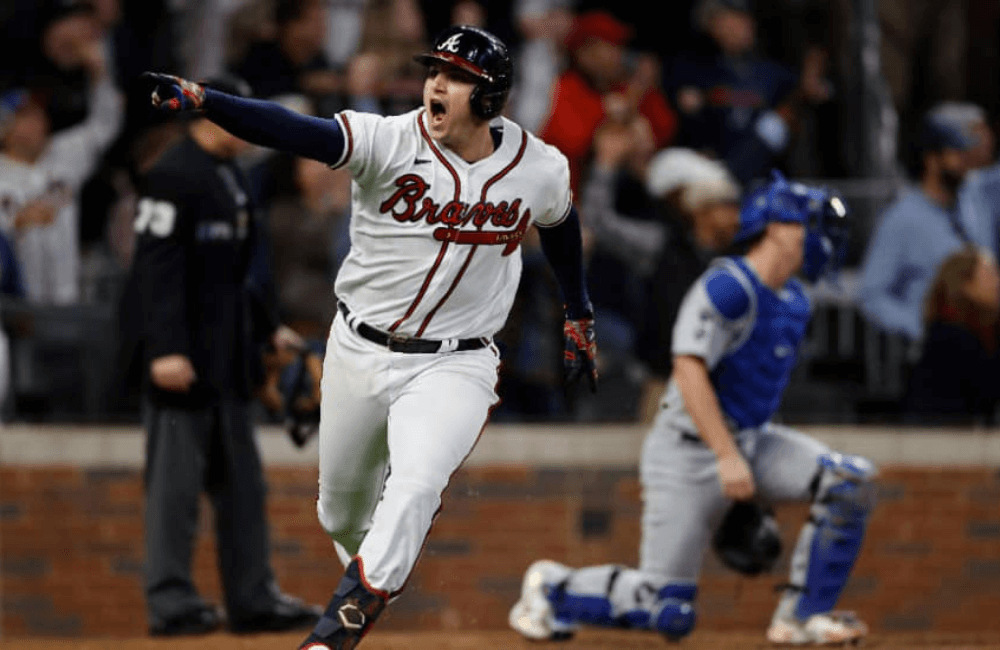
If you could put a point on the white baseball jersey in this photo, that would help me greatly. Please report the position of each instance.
(50, 255)
(47, 254)
(434, 239)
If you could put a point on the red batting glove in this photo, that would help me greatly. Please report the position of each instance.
(175, 94)
(580, 355)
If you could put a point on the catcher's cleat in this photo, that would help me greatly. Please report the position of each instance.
(532, 616)
(833, 628)
(349, 615)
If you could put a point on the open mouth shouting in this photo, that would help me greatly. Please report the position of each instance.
(437, 111)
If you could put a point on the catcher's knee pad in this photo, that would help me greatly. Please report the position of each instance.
(843, 498)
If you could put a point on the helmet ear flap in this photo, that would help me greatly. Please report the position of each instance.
(486, 104)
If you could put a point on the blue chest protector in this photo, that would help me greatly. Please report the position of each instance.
(751, 378)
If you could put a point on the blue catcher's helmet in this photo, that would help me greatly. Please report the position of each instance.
(822, 212)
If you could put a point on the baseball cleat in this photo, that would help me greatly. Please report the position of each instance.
(532, 616)
(349, 615)
(833, 628)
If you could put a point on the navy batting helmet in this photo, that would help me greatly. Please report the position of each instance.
(481, 54)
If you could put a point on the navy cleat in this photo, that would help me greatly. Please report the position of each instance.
(349, 615)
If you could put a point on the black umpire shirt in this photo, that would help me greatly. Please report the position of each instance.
(194, 271)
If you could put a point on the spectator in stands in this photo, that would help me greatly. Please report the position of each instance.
(203, 33)
(294, 62)
(979, 197)
(13, 219)
(598, 81)
(495, 16)
(392, 31)
(734, 104)
(924, 48)
(699, 201)
(543, 26)
(11, 286)
(826, 33)
(41, 174)
(614, 203)
(71, 47)
(918, 230)
(344, 21)
(625, 239)
(957, 379)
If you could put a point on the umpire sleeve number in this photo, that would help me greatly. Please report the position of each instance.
(157, 217)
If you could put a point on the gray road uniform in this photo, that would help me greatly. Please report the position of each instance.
(748, 335)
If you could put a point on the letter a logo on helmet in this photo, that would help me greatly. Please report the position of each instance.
(450, 45)
(482, 55)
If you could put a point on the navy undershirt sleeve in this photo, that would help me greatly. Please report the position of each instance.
(563, 248)
(271, 125)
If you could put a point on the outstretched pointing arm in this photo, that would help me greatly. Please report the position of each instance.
(261, 122)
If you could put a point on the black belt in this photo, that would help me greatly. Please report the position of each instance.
(397, 343)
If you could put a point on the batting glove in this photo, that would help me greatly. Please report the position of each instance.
(580, 355)
(172, 93)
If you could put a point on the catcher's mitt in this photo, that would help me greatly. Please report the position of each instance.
(292, 390)
(748, 539)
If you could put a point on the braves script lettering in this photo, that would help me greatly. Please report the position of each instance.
(411, 203)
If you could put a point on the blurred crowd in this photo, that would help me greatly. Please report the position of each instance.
(667, 117)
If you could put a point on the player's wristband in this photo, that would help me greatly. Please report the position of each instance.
(578, 311)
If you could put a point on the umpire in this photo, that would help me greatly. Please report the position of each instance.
(203, 317)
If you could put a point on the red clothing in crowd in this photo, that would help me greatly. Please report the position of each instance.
(577, 110)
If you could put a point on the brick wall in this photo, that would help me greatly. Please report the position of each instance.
(71, 549)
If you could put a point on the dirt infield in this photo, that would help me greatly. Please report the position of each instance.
(586, 640)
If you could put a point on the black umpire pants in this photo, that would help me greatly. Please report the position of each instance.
(213, 450)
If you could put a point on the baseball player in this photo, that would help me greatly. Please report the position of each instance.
(712, 444)
(441, 198)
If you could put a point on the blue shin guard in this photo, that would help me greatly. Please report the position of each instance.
(831, 540)
(611, 596)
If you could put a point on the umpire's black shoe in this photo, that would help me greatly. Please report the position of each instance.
(349, 615)
(203, 620)
(288, 613)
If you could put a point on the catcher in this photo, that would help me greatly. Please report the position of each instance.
(713, 444)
